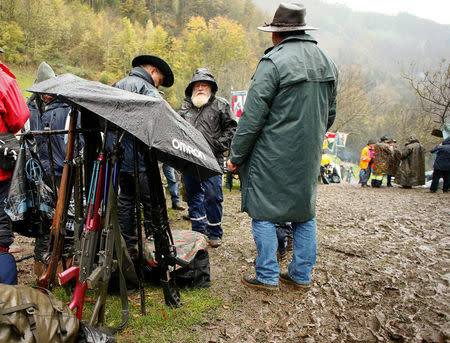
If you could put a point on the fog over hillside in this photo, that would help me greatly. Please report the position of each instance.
(386, 43)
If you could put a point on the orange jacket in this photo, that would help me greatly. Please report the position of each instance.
(365, 158)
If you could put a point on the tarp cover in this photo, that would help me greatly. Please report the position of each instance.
(151, 120)
(187, 242)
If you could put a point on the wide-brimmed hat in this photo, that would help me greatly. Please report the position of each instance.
(201, 74)
(371, 141)
(288, 17)
(159, 63)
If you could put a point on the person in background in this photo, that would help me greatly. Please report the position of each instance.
(441, 166)
(213, 117)
(382, 156)
(13, 115)
(148, 74)
(350, 174)
(411, 171)
(393, 162)
(277, 146)
(365, 163)
(342, 173)
(172, 184)
(48, 113)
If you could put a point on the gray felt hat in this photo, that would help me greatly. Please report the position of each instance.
(288, 17)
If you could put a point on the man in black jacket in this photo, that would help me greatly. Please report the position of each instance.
(441, 166)
(212, 116)
(148, 73)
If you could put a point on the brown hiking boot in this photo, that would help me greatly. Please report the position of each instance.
(280, 257)
(253, 283)
(214, 242)
(286, 279)
(177, 206)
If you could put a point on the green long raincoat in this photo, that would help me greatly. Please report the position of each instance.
(290, 105)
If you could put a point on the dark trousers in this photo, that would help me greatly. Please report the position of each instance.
(127, 204)
(6, 235)
(205, 205)
(437, 174)
(364, 176)
(389, 180)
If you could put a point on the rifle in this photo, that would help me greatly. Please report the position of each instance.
(165, 250)
(89, 241)
(110, 243)
(91, 272)
(79, 203)
(50, 157)
(139, 224)
(58, 228)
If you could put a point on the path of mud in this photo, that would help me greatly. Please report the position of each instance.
(382, 273)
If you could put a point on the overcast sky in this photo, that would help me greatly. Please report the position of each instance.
(436, 10)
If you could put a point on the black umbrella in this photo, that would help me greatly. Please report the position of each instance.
(150, 119)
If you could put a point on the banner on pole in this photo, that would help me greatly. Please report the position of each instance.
(329, 141)
(341, 139)
(237, 102)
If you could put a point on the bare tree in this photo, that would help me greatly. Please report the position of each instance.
(433, 91)
(355, 105)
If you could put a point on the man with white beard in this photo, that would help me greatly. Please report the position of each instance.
(212, 116)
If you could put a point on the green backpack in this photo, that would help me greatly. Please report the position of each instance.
(29, 315)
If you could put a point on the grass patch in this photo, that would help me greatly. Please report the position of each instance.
(25, 78)
(161, 323)
(164, 324)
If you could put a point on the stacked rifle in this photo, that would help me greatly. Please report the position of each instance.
(98, 247)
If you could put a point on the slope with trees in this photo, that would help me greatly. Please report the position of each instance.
(97, 39)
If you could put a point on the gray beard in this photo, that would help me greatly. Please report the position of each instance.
(200, 100)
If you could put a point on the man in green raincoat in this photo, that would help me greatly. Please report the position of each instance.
(277, 146)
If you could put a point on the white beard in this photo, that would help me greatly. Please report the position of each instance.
(200, 100)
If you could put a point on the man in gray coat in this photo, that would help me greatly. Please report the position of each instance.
(277, 146)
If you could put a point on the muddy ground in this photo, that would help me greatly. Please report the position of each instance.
(382, 273)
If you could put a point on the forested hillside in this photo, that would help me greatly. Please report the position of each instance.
(97, 39)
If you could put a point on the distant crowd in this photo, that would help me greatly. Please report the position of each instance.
(406, 166)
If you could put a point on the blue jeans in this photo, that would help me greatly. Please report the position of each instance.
(205, 205)
(169, 173)
(304, 252)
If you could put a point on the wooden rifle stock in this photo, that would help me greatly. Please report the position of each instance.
(58, 229)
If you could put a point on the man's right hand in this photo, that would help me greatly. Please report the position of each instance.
(8, 151)
(231, 167)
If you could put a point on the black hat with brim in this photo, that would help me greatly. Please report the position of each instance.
(288, 17)
(158, 63)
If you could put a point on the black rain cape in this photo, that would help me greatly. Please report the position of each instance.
(151, 120)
